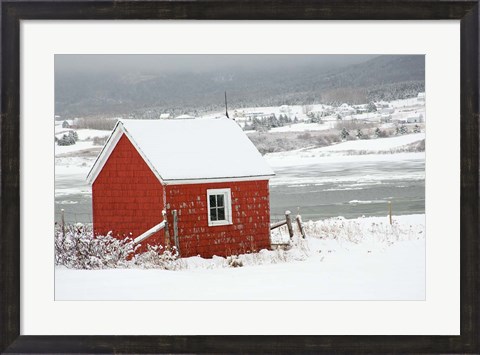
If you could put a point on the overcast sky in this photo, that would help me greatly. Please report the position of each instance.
(195, 62)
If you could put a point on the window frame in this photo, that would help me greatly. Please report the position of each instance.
(227, 198)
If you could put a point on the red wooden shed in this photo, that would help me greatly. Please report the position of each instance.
(207, 170)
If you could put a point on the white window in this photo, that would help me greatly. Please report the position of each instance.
(219, 207)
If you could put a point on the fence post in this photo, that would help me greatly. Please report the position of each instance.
(63, 223)
(289, 223)
(300, 225)
(175, 232)
(167, 234)
(390, 211)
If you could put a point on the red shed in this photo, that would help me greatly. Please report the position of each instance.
(207, 170)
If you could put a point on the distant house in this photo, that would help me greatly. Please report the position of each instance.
(381, 104)
(344, 109)
(206, 170)
(361, 108)
(164, 116)
(421, 97)
(68, 124)
(416, 118)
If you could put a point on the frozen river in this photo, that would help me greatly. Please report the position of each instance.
(316, 189)
(350, 190)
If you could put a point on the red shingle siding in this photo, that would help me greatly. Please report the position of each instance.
(127, 196)
(249, 232)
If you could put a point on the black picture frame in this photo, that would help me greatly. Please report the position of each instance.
(13, 12)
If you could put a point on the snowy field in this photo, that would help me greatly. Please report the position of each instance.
(374, 150)
(304, 127)
(360, 259)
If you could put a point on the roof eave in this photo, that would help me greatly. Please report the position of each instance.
(203, 180)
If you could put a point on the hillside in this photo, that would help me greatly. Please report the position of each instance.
(145, 93)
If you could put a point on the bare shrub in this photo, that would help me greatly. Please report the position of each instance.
(234, 261)
(100, 140)
(80, 249)
(101, 123)
(305, 135)
(157, 258)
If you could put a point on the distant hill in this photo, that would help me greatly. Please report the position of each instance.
(144, 93)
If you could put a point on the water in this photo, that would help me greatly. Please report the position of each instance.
(317, 191)
(349, 190)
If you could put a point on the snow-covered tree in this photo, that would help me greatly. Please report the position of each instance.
(400, 130)
(66, 140)
(371, 107)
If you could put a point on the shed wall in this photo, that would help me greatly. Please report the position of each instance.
(127, 198)
(249, 232)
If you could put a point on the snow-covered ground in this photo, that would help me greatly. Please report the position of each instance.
(361, 259)
(83, 134)
(73, 162)
(351, 151)
(304, 127)
(379, 144)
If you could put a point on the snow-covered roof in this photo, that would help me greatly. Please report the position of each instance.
(178, 150)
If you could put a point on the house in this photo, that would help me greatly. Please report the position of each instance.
(421, 97)
(164, 116)
(206, 170)
(415, 118)
(344, 110)
(67, 124)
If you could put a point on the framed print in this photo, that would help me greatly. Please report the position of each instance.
(280, 183)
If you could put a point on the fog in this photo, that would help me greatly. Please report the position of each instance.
(168, 63)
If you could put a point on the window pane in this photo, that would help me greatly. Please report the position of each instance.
(220, 202)
(221, 213)
(213, 214)
(213, 202)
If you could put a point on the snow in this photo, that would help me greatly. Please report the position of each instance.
(371, 150)
(197, 149)
(302, 127)
(374, 144)
(84, 142)
(184, 117)
(70, 174)
(78, 146)
(83, 134)
(88, 134)
(360, 259)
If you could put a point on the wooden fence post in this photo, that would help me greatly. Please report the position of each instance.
(390, 211)
(167, 234)
(175, 232)
(63, 223)
(289, 223)
(300, 225)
